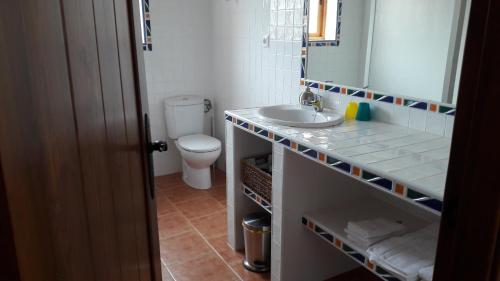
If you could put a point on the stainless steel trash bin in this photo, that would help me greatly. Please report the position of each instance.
(257, 233)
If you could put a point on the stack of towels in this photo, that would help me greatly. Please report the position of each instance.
(368, 232)
(410, 256)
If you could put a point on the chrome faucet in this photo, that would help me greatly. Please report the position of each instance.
(308, 98)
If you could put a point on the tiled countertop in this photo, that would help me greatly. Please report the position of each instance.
(407, 162)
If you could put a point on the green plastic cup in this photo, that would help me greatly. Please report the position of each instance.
(364, 113)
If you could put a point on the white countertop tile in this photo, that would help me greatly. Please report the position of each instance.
(412, 157)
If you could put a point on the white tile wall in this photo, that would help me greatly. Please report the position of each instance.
(245, 73)
(180, 64)
(435, 123)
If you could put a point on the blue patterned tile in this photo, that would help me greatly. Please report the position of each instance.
(356, 93)
(415, 104)
(383, 98)
(333, 89)
(423, 199)
(242, 124)
(323, 233)
(261, 131)
(338, 164)
(377, 180)
(282, 140)
(308, 151)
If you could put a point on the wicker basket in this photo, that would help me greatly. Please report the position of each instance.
(256, 179)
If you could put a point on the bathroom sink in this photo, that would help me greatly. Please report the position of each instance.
(299, 116)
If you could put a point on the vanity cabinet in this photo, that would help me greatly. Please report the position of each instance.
(316, 192)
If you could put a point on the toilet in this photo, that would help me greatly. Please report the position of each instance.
(185, 117)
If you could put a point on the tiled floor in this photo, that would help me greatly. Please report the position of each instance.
(192, 230)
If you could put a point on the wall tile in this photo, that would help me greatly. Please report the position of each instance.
(418, 119)
(436, 123)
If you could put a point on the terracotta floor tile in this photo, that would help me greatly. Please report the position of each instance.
(205, 268)
(211, 226)
(163, 205)
(182, 248)
(182, 193)
(169, 180)
(218, 192)
(221, 245)
(199, 207)
(172, 224)
(165, 274)
(247, 275)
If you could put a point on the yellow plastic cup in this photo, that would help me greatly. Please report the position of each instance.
(351, 111)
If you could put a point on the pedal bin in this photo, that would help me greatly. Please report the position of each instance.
(257, 234)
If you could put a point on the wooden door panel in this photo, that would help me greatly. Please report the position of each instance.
(71, 146)
(83, 60)
(39, 146)
(120, 169)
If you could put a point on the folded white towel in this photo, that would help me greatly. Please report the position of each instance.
(404, 256)
(367, 242)
(426, 273)
(378, 227)
(358, 242)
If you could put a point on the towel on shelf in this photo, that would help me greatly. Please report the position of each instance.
(378, 227)
(361, 242)
(426, 273)
(404, 256)
(368, 232)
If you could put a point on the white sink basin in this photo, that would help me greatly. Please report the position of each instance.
(298, 116)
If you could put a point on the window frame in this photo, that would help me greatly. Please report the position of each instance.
(321, 23)
(318, 39)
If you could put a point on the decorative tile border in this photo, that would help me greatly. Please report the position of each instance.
(148, 46)
(369, 95)
(257, 198)
(390, 186)
(360, 258)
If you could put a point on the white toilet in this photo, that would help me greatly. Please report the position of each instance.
(185, 117)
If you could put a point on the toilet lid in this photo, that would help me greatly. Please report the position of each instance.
(199, 143)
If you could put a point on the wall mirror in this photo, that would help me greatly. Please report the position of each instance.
(410, 48)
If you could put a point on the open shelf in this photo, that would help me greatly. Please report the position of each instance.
(330, 224)
(257, 198)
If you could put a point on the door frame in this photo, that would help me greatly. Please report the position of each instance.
(142, 100)
(468, 246)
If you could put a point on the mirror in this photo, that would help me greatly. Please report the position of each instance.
(410, 48)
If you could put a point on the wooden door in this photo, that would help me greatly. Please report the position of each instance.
(469, 240)
(73, 169)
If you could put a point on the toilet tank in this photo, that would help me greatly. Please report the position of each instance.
(184, 116)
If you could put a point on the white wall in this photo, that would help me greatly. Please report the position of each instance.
(214, 48)
(245, 73)
(349, 57)
(410, 47)
(179, 64)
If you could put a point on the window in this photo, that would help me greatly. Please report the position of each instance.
(323, 20)
(145, 24)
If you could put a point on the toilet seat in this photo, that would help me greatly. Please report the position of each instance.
(199, 143)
